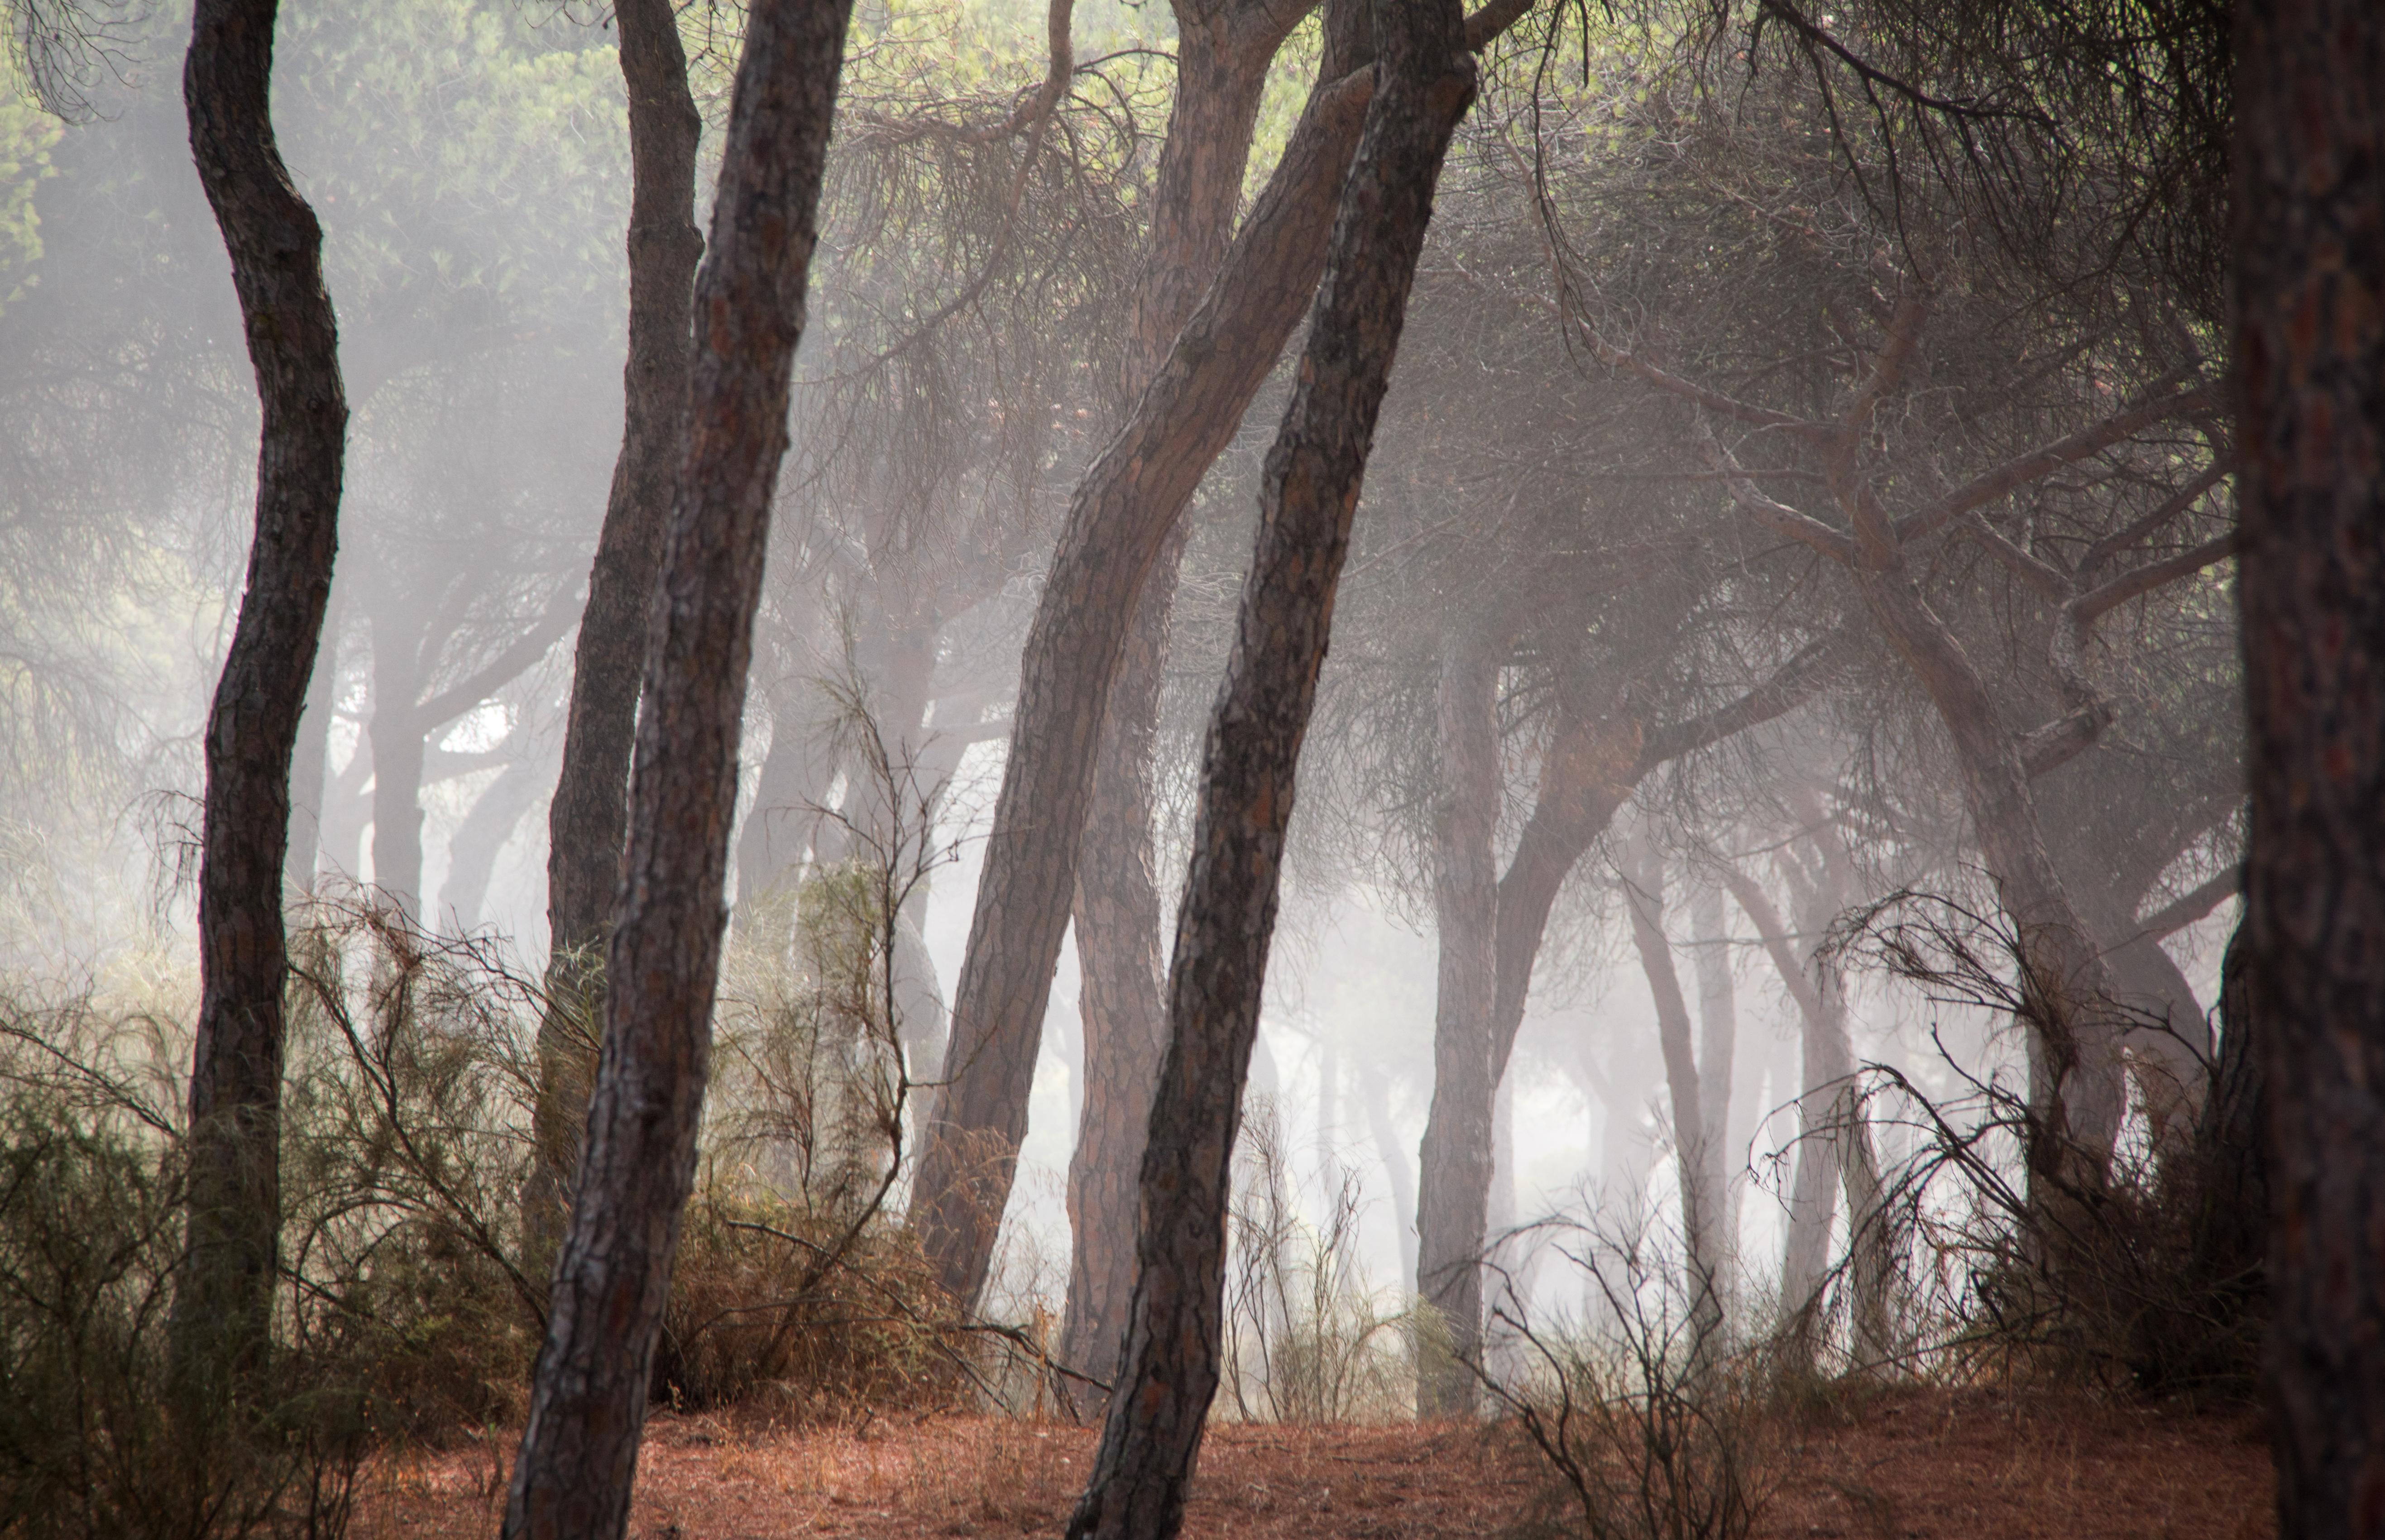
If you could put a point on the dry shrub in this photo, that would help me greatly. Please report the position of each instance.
(1307, 1340)
(2023, 1252)
(89, 1238)
(1650, 1425)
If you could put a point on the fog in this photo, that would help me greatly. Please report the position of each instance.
(1609, 630)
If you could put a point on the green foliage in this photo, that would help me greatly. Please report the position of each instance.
(27, 134)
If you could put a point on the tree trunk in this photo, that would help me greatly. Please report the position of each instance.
(223, 1300)
(396, 732)
(2065, 988)
(2310, 361)
(1117, 522)
(1451, 1203)
(589, 816)
(311, 758)
(472, 854)
(1396, 1169)
(1644, 897)
(1717, 1051)
(1834, 1139)
(1309, 492)
(588, 1397)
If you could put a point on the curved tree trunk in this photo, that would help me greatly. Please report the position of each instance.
(588, 1397)
(588, 819)
(2310, 359)
(1309, 493)
(223, 1298)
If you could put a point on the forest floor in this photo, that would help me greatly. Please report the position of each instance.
(1919, 1465)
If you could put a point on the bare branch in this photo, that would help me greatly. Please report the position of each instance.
(1796, 682)
(2087, 607)
(2193, 905)
(1986, 488)
(1779, 517)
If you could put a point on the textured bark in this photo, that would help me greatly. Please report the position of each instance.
(223, 1302)
(2310, 360)
(1309, 491)
(1452, 1202)
(588, 1397)
(1120, 518)
(588, 818)
(1222, 57)
(1118, 521)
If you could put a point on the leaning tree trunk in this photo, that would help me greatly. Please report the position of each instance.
(589, 817)
(2310, 361)
(1221, 76)
(1309, 492)
(1451, 1203)
(223, 1302)
(588, 1397)
(1120, 519)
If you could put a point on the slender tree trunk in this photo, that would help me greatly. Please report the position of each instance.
(1718, 1052)
(223, 1302)
(588, 819)
(1835, 1146)
(1644, 897)
(396, 732)
(588, 1397)
(472, 854)
(1452, 1202)
(1309, 493)
(2310, 362)
(1396, 1169)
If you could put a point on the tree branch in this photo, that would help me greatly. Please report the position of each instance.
(1796, 682)
(1777, 516)
(1986, 488)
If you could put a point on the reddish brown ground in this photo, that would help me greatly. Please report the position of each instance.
(1918, 1466)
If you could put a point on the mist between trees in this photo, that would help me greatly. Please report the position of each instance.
(1747, 885)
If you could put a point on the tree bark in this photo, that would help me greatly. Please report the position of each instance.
(1452, 1202)
(223, 1300)
(1221, 75)
(1309, 493)
(1118, 521)
(579, 1450)
(1120, 517)
(2310, 361)
(588, 818)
